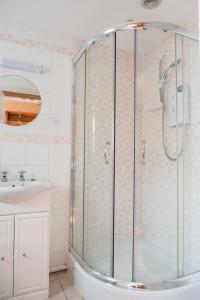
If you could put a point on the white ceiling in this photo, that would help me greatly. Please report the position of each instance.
(85, 18)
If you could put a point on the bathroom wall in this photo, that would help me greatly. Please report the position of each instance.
(42, 148)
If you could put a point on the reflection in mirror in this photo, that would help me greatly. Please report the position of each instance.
(20, 100)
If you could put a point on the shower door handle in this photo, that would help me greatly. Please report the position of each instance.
(143, 152)
(105, 152)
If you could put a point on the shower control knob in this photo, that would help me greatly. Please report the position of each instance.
(180, 88)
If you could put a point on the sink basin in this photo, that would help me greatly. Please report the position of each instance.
(17, 183)
(17, 191)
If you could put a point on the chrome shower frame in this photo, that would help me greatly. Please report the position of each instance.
(165, 27)
(177, 283)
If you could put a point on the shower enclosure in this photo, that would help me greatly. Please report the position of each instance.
(134, 214)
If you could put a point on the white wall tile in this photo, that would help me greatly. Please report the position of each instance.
(42, 81)
(41, 147)
(59, 125)
(37, 172)
(14, 129)
(58, 242)
(58, 154)
(61, 64)
(13, 154)
(60, 221)
(2, 27)
(59, 197)
(2, 51)
(16, 29)
(58, 258)
(17, 52)
(46, 100)
(41, 57)
(59, 103)
(37, 154)
(59, 175)
(62, 40)
(60, 83)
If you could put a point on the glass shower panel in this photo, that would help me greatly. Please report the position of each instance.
(78, 184)
(99, 158)
(180, 152)
(191, 162)
(124, 156)
(155, 221)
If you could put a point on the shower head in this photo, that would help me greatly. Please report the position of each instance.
(171, 66)
(175, 63)
(164, 75)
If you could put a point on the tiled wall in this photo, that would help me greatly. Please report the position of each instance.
(42, 148)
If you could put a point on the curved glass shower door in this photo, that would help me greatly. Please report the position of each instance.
(99, 156)
(78, 157)
(155, 229)
(135, 203)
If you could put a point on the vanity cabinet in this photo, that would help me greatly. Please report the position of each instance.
(30, 252)
(6, 256)
(24, 252)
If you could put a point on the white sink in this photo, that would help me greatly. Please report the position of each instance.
(16, 191)
(17, 183)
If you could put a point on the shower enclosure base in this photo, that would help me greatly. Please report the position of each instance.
(91, 288)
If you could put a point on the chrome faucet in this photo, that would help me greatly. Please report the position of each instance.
(21, 175)
(4, 176)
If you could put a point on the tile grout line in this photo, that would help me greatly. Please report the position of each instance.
(53, 280)
(59, 279)
(62, 288)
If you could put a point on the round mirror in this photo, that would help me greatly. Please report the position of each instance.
(20, 100)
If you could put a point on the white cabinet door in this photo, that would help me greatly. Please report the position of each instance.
(31, 266)
(6, 256)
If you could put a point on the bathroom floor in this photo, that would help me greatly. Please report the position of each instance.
(62, 287)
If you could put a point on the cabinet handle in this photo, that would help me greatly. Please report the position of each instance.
(25, 255)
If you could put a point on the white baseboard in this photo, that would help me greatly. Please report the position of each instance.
(58, 268)
(41, 295)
